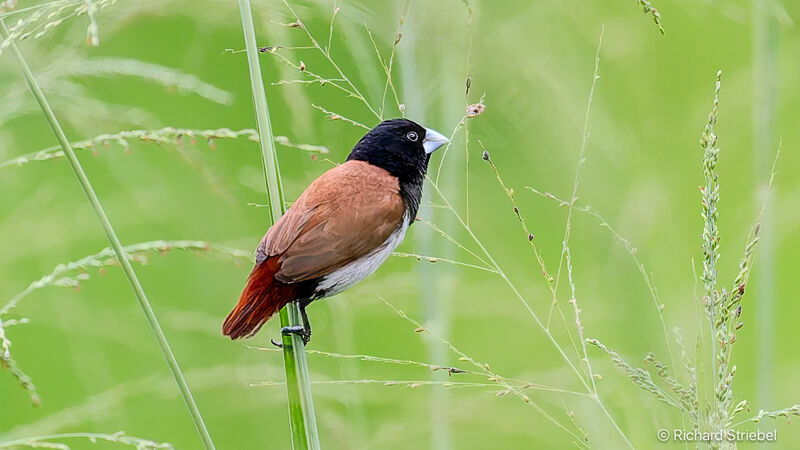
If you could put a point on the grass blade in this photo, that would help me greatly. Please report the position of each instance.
(301, 405)
(113, 239)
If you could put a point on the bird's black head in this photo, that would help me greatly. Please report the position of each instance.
(401, 147)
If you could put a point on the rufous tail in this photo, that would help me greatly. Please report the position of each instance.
(262, 297)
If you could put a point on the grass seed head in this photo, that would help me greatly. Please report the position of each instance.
(475, 110)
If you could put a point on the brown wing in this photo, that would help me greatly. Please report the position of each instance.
(344, 214)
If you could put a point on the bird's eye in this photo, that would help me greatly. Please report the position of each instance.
(412, 136)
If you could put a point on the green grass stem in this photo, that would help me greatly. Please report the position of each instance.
(766, 101)
(298, 386)
(113, 239)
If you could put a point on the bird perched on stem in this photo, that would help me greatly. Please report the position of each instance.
(341, 229)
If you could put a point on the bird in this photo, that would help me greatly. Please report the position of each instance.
(341, 228)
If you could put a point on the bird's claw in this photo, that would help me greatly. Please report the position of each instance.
(299, 330)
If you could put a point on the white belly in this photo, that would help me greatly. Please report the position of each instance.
(352, 273)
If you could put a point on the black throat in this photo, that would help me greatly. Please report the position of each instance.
(411, 191)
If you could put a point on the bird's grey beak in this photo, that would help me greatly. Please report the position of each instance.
(433, 140)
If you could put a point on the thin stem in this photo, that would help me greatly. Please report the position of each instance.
(301, 406)
(453, 240)
(502, 381)
(114, 241)
(383, 66)
(578, 324)
(327, 56)
(766, 101)
(435, 259)
(387, 66)
(545, 274)
(574, 301)
(545, 330)
(492, 387)
(574, 196)
(511, 285)
(649, 279)
(585, 358)
(317, 78)
(614, 422)
(523, 384)
(467, 86)
(460, 124)
(330, 32)
(333, 116)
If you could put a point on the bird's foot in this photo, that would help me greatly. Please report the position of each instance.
(303, 332)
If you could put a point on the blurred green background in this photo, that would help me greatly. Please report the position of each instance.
(93, 357)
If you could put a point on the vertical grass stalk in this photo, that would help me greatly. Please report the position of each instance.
(765, 82)
(112, 238)
(434, 285)
(298, 387)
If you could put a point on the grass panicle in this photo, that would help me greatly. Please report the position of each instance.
(786, 413)
(71, 274)
(158, 385)
(119, 251)
(691, 373)
(8, 362)
(7, 5)
(710, 213)
(713, 299)
(685, 396)
(341, 81)
(349, 87)
(46, 16)
(174, 79)
(722, 309)
(648, 8)
(53, 441)
(164, 136)
(62, 80)
(312, 77)
(639, 376)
